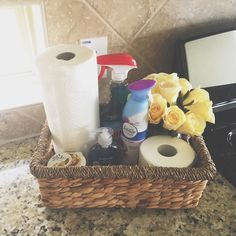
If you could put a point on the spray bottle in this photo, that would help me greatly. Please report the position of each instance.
(120, 64)
(135, 119)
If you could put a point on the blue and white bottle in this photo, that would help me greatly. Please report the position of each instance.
(135, 119)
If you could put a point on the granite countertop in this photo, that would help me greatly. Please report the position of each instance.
(23, 214)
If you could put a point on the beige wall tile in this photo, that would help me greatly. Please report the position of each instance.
(203, 11)
(179, 19)
(35, 112)
(156, 41)
(15, 125)
(126, 17)
(147, 29)
(69, 21)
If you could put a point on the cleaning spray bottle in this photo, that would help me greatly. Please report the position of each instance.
(135, 119)
(105, 151)
(120, 64)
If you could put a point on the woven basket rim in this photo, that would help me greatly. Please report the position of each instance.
(205, 171)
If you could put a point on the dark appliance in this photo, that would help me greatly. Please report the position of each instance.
(211, 61)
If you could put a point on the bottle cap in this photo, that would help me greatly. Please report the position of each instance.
(105, 137)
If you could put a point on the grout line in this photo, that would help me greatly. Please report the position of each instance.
(100, 17)
(31, 117)
(150, 18)
(20, 110)
(117, 34)
(20, 107)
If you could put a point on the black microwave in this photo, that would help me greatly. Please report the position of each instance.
(210, 62)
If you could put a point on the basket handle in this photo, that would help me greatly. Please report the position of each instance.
(42, 149)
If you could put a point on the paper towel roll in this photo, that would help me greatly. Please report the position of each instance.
(166, 151)
(69, 81)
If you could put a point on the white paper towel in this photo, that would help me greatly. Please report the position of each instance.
(69, 81)
(166, 151)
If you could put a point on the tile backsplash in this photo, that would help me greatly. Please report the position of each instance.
(21, 123)
(147, 29)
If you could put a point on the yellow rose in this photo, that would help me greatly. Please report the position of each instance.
(193, 126)
(163, 77)
(159, 78)
(170, 90)
(185, 86)
(153, 76)
(157, 109)
(204, 110)
(173, 118)
(197, 95)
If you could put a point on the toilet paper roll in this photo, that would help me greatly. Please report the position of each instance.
(69, 81)
(166, 151)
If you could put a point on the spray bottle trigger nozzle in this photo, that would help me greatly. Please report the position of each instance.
(121, 63)
(103, 68)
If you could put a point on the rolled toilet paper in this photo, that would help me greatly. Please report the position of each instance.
(166, 151)
(69, 80)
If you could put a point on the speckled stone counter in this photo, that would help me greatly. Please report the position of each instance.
(18, 150)
(23, 214)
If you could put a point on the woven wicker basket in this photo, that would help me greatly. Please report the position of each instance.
(120, 186)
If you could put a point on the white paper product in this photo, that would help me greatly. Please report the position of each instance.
(69, 81)
(166, 151)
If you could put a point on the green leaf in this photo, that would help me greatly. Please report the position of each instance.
(186, 95)
(189, 104)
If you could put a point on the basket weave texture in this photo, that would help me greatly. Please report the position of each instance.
(120, 186)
